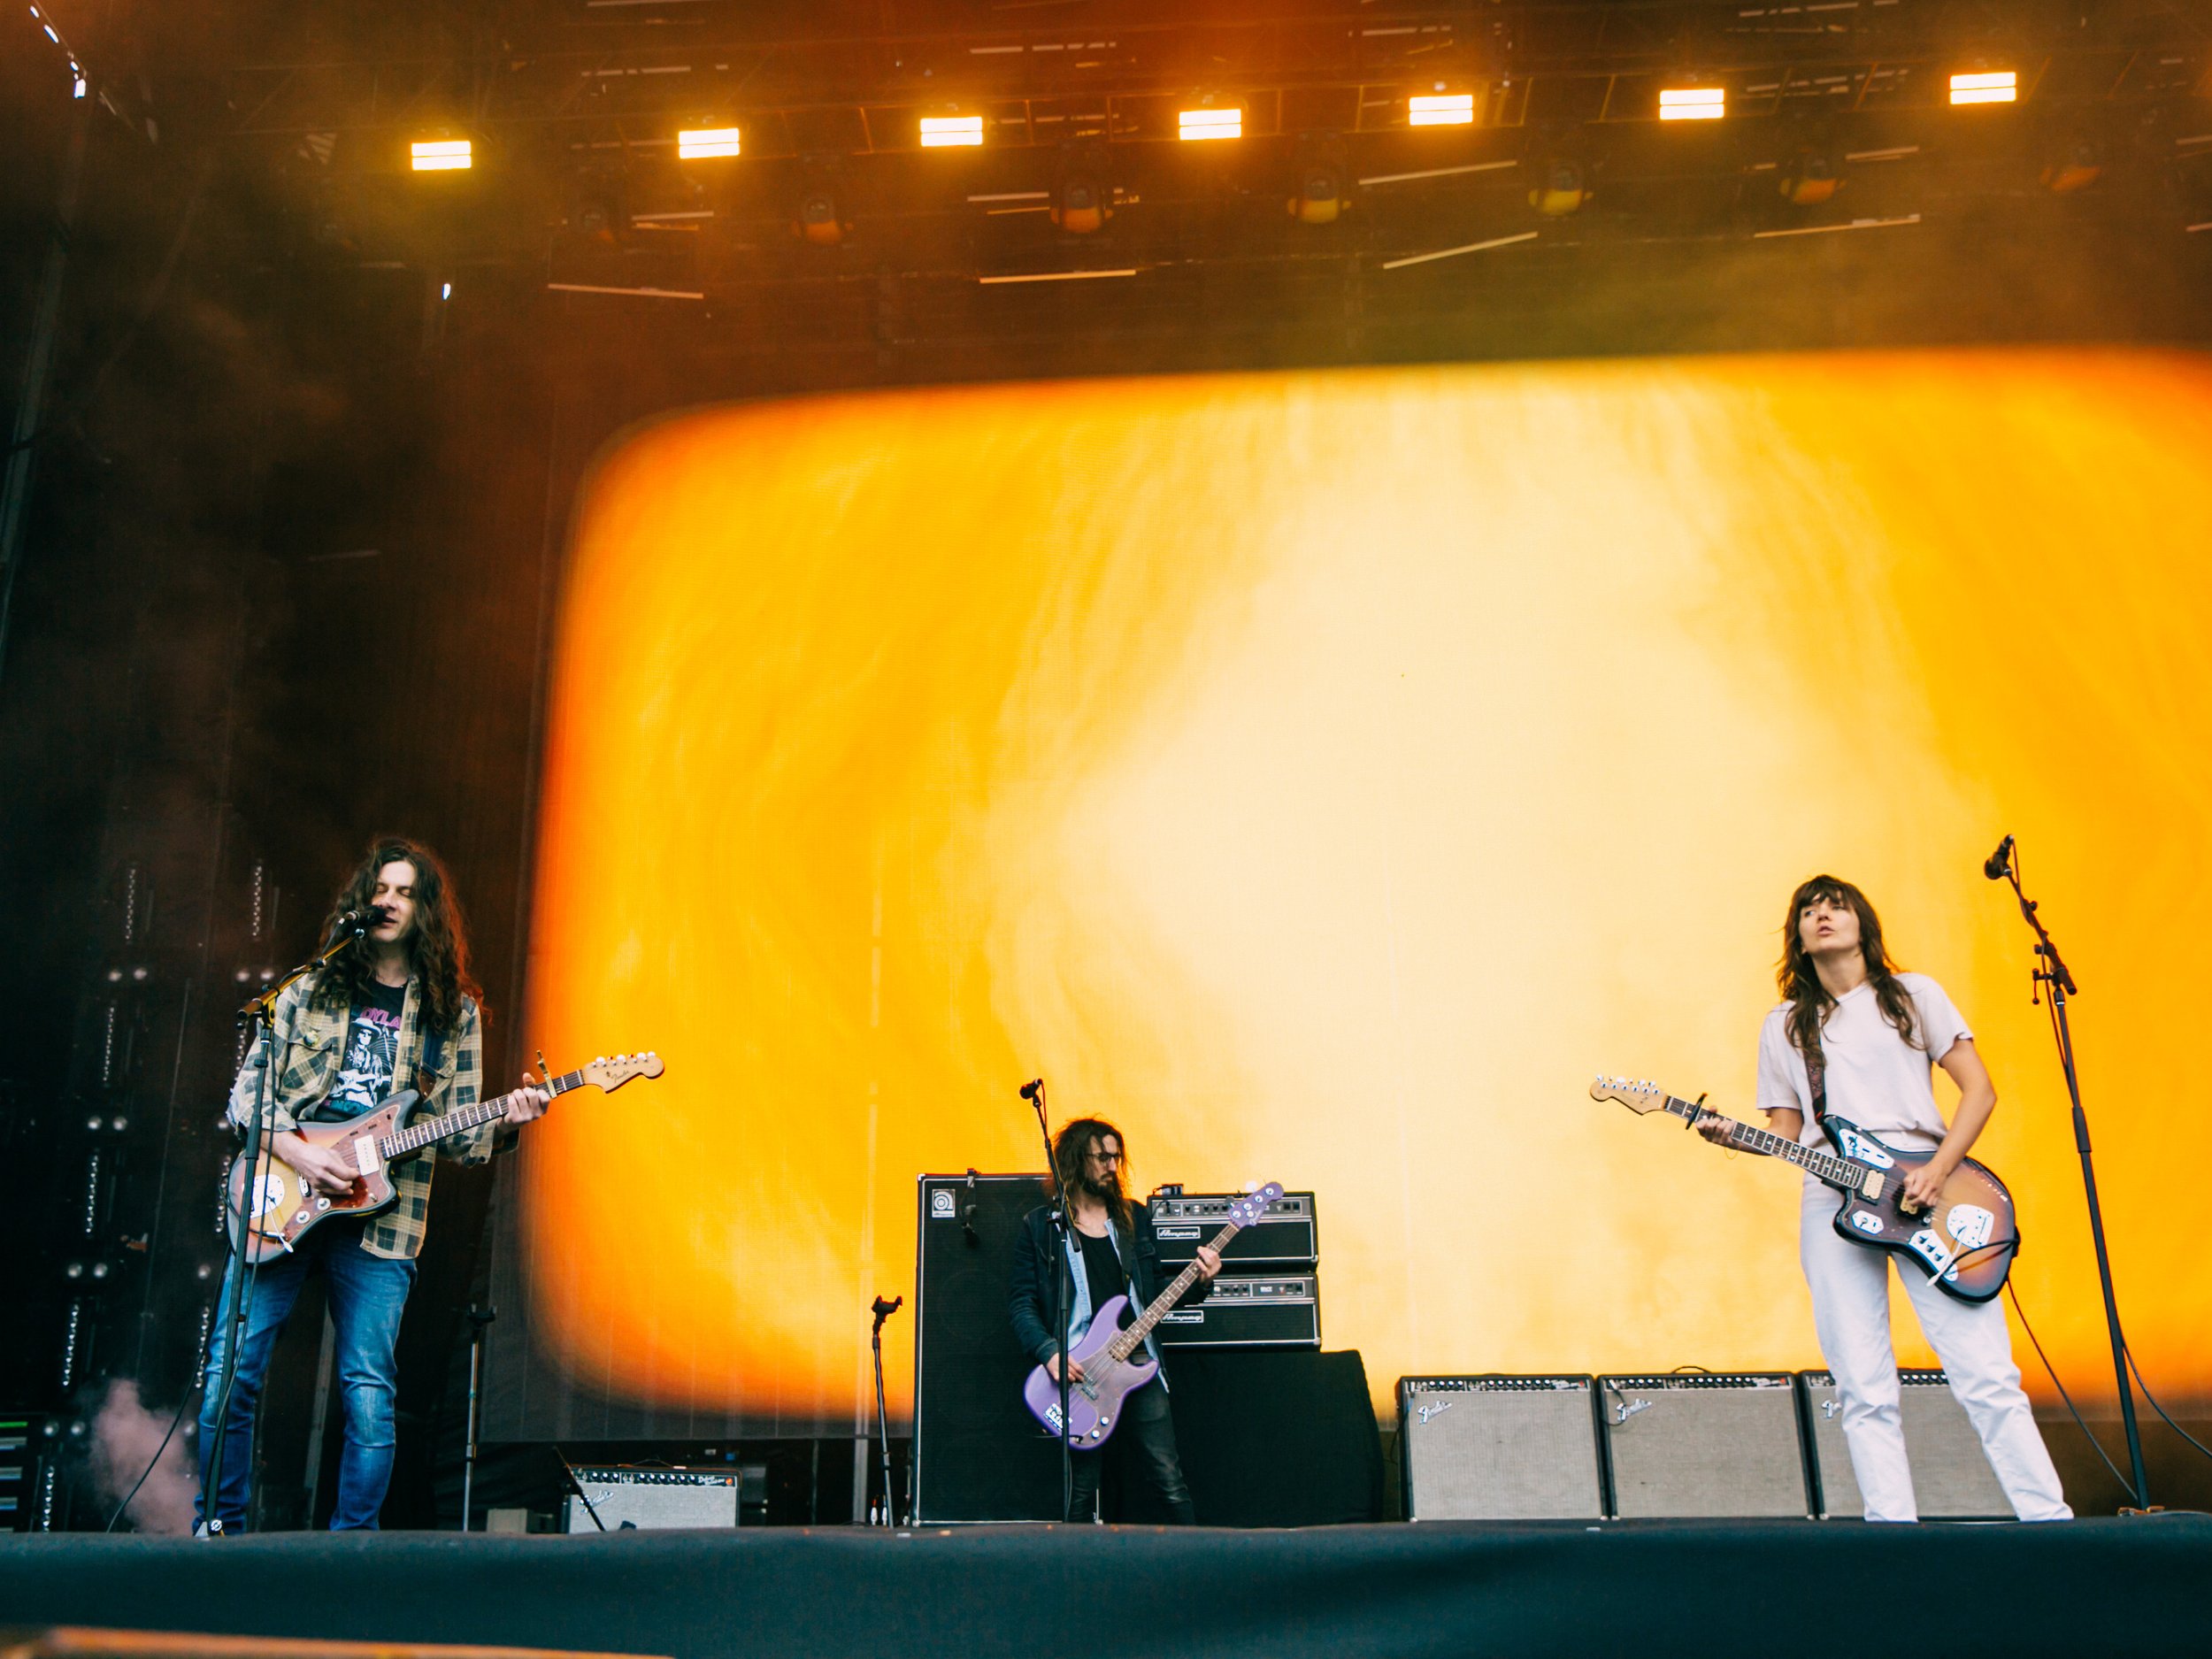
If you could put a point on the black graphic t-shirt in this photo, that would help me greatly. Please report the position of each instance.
(364, 1077)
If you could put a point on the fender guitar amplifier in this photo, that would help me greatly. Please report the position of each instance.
(1951, 1476)
(1284, 1237)
(1249, 1311)
(652, 1498)
(1499, 1448)
(1704, 1443)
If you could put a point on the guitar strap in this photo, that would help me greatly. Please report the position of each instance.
(433, 1051)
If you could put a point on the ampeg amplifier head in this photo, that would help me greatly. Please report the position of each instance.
(1951, 1476)
(1704, 1443)
(1499, 1448)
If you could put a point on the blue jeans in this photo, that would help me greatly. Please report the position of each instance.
(368, 1294)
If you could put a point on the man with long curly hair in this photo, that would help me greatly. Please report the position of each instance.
(396, 1009)
(1869, 1035)
(1114, 1253)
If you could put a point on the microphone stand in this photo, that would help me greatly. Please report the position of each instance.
(883, 1310)
(2051, 974)
(569, 1483)
(260, 1012)
(479, 1319)
(1062, 1291)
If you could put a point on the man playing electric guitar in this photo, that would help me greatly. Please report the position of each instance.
(1113, 1254)
(395, 1009)
(1856, 1038)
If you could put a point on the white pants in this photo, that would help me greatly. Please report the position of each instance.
(1850, 1286)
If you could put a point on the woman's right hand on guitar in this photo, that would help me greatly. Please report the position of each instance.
(323, 1168)
(1052, 1369)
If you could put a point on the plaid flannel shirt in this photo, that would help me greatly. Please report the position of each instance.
(309, 1039)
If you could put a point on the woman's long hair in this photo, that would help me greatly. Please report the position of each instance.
(1809, 998)
(1069, 1148)
(437, 945)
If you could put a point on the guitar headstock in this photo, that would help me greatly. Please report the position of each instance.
(1638, 1096)
(611, 1071)
(1246, 1211)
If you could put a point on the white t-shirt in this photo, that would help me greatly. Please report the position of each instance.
(1876, 1080)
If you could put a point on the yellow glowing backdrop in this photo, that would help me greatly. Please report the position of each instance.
(1324, 774)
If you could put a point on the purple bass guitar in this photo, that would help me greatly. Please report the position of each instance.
(1113, 1361)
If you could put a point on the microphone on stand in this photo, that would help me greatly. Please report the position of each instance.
(1998, 865)
(354, 921)
(1033, 1088)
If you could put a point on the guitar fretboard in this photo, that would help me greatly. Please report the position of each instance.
(1123, 1346)
(431, 1130)
(1847, 1173)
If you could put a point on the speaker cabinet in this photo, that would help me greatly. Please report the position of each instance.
(1704, 1443)
(1951, 1476)
(979, 1456)
(1499, 1448)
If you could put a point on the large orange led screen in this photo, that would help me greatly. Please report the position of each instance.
(1323, 775)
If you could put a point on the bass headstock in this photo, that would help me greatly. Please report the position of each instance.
(1249, 1209)
(611, 1071)
(1638, 1096)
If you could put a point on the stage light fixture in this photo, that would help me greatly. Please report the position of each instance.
(1082, 190)
(1323, 180)
(1561, 187)
(1993, 86)
(2075, 167)
(948, 131)
(708, 143)
(1812, 177)
(818, 220)
(1210, 123)
(1692, 104)
(443, 155)
(1441, 109)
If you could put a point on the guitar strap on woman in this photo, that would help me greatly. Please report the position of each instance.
(1817, 1074)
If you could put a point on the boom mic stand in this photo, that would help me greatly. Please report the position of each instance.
(1063, 1289)
(2051, 974)
(260, 1012)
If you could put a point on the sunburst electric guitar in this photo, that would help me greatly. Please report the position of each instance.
(282, 1207)
(1965, 1240)
(1113, 1361)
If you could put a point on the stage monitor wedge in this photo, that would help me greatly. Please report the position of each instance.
(1688, 1444)
(1951, 1476)
(1499, 1448)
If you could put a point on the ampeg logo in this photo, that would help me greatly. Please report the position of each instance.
(941, 1206)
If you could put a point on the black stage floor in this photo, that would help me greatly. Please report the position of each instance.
(1783, 1591)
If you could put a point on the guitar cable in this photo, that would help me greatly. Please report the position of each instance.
(2049, 1371)
(2138, 1372)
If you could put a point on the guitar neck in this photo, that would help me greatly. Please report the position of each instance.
(432, 1130)
(1838, 1172)
(1140, 1327)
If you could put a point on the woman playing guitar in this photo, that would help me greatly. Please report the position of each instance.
(1855, 1037)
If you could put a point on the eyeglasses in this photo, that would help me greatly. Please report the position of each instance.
(1105, 1157)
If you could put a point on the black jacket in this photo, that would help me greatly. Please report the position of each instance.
(1029, 1302)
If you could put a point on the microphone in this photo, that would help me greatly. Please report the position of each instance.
(1998, 865)
(1033, 1088)
(353, 921)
